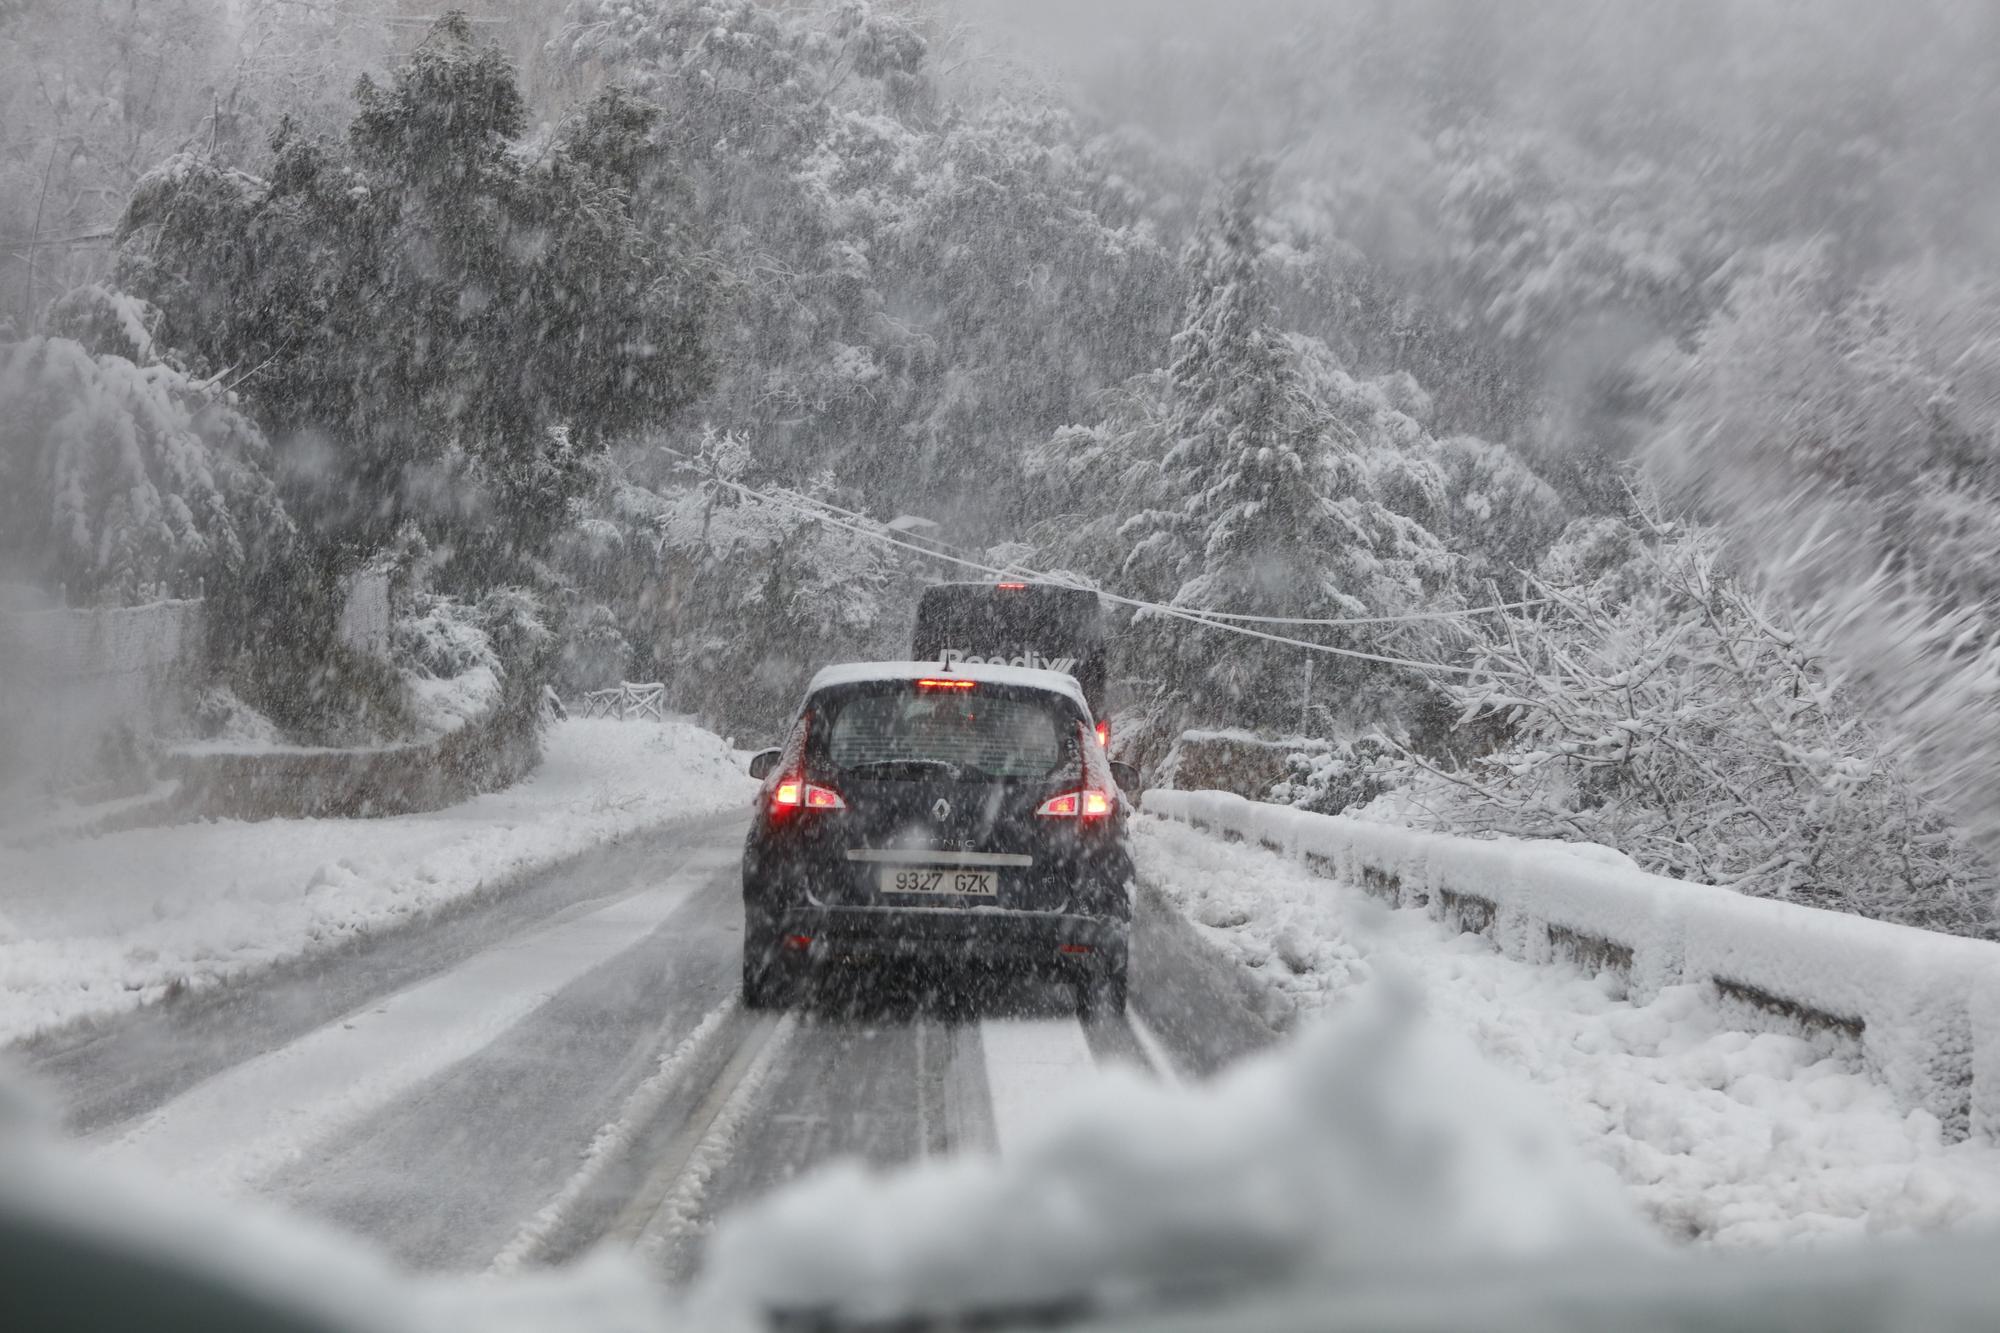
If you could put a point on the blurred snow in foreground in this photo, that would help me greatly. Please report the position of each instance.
(1371, 1173)
(1375, 1143)
(96, 925)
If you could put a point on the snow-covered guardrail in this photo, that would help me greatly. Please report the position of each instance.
(1921, 1009)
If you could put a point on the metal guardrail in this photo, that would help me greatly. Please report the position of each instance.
(1921, 1010)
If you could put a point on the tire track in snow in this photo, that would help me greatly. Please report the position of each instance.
(530, 1243)
(661, 1223)
(251, 1120)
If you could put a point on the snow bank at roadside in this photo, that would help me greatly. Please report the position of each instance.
(1377, 1143)
(1918, 1005)
(1721, 1134)
(107, 923)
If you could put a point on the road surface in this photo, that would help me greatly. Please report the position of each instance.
(568, 1065)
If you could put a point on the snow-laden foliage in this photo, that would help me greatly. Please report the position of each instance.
(1255, 476)
(442, 637)
(1659, 705)
(1874, 410)
(731, 602)
(1501, 254)
(1850, 433)
(461, 660)
(432, 320)
(914, 290)
(123, 477)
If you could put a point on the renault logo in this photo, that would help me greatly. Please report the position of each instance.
(941, 810)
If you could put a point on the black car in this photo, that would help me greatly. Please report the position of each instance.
(960, 816)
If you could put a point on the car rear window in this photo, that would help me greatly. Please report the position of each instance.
(978, 733)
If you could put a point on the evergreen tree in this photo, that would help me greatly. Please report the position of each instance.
(432, 322)
(1272, 508)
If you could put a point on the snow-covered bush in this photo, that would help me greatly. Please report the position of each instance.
(457, 659)
(442, 638)
(1349, 774)
(219, 714)
(1667, 709)
(1848, 434)
(119, 475)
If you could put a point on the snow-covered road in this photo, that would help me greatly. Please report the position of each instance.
(567, 1064)
(570, 1064)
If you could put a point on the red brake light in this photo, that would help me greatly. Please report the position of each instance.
(792, 793)
(1104, 734)
(1010, 587)
(1085, 803)
(951, 684)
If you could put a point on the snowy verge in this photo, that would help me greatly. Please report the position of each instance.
(1723, 1135)
(1919, 1006)
(104, 924)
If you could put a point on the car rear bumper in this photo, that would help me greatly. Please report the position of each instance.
(992, 937)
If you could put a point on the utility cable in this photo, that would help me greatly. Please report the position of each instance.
(1175, 612)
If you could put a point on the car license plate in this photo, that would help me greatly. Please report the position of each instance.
(940, 879)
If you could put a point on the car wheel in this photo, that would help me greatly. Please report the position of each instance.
(1102, 994)
(770, 980)
(766, 985)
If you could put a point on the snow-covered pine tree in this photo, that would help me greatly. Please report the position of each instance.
(1272, 508)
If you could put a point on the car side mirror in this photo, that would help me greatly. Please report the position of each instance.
(762, 762)
(1126, 776)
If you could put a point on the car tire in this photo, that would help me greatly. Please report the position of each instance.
(1102, 994)
(770, 980)
(766, 985)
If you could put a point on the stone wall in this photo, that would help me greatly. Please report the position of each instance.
(1234, 761)
(301, 783)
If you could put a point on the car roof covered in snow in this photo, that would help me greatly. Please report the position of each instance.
(986, 673)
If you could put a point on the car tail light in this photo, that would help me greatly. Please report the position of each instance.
(952, 683)
(793, 793)
(1104, 734)
(1083, 803)
(1011, 587)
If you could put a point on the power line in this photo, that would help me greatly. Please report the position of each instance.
(1299, 621)
(1175, 612)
